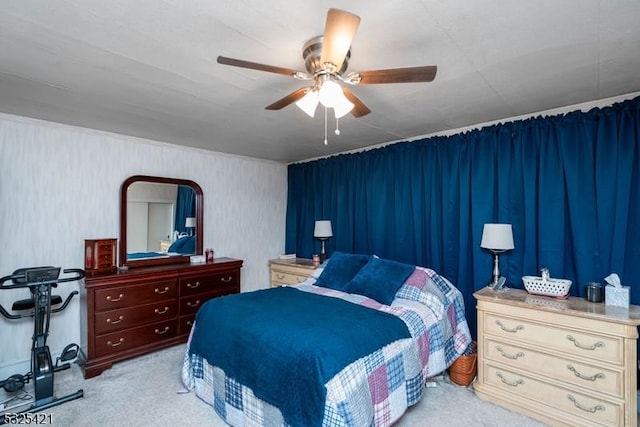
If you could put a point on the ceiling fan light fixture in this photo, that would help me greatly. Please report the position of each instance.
(330, 94)
(342, 107)
(309, 102)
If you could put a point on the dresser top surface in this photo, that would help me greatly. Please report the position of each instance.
(572, 306)
(300, 262)
(217, 264)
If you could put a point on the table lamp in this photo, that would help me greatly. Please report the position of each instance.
(322, 232)
(497, 238)
(190, 223)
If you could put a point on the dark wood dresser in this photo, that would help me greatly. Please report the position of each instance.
(134, 312)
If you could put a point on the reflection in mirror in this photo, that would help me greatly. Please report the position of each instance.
(161, 221)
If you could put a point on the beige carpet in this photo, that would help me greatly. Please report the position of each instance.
(144, 392)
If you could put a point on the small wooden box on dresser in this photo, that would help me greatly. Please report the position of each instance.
(564, 362)
(144, 309)
(290, 271)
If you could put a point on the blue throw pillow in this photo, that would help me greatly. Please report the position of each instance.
(340, 269)
(178, 244)
(189, 246)
(380, 279)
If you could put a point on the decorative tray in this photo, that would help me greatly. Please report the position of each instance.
(558, 288)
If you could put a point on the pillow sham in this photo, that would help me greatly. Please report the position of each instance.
(340, 269)
(380, 279)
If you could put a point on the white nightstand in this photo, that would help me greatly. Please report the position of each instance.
(564, 362)
(290, 271)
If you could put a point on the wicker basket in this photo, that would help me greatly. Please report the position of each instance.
(463, 370)
(558, 288)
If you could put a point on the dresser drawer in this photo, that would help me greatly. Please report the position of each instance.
(117, 342)
(283, 278)
(198, 284)
(126, 296)
(191, 304)
(588, 376)
(573, 343)
(185, 323)
(587, 409)
(123, 318)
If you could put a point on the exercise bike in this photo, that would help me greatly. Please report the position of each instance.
(40, 280)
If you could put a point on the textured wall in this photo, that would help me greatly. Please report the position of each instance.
(60, 185)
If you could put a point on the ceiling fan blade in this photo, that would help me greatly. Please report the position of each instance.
(339, 30)
(289, 99)
(359, 109)
(399, 75)
(260, 67)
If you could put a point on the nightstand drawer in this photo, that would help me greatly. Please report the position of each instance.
(282, 278)
(598, 378)
(573, 343)
(588, 408)
(290, 272)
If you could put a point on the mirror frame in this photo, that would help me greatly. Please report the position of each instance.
(178, 259)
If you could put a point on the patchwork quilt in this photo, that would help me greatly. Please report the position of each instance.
(373, 390)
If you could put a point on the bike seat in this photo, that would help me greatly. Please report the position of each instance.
(27, 304)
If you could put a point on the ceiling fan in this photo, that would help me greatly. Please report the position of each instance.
(326, 59)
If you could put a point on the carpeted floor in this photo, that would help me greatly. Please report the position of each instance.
(146, 392)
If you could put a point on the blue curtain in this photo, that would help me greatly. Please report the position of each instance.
(185, 207)
(569, 185)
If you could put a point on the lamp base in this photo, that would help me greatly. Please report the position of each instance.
(323, 252)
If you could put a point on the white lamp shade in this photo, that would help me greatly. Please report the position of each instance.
(330, 93)
(190, 222)
(342, 107)
(323, 229)
(309, 102)
(497, 237)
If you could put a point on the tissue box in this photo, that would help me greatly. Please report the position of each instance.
(616, 296)
(197, 259)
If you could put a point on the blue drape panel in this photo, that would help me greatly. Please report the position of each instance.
(185, 207)
(569, 185)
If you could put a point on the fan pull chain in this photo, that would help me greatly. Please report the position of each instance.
(337, 131)
(325, 126)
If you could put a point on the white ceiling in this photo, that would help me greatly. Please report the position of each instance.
(148, 68)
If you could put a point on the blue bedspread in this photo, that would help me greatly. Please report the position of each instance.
(260, 355)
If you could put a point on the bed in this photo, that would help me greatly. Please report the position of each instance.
(184, 245)
(353, 345)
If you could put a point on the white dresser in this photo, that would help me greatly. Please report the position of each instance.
(563, 362)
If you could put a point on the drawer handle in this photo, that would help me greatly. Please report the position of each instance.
(115, 322)
(162, 291)
(164, 331)
(280, 276)
(511, 384)
(194, 304)
(115, 344)
(193, 286)
(189, 323)
(158, 311)
(599, 375)
(579, 406)
(227, 280)
(504, 328)
(585, 347)
(509, 356)
(110, 298)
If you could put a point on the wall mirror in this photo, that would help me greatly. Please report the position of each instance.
(160, 221)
